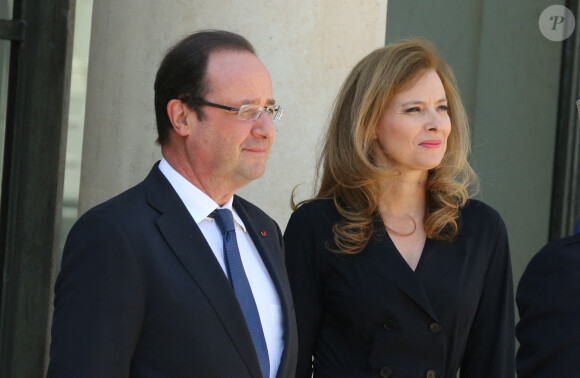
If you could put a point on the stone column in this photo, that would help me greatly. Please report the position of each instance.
(308, 45)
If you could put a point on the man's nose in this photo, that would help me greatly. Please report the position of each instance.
(264, 125)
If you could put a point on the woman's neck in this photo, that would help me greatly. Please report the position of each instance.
(402, 208)
(403, 195)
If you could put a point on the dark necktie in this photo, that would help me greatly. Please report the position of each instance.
(239, 281)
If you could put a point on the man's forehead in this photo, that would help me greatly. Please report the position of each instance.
(225, 62)
(231, 71)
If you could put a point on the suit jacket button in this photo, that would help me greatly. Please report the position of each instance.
(435, 327)
(386, 372)
(430, 374)
(389, 325)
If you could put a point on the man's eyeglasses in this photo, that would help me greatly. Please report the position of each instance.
(251, 112)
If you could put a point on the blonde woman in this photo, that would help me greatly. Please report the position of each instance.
(395, 272)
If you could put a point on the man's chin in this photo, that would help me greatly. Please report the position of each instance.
(252, 173)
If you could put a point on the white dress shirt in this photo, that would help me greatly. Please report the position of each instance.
(200, 205)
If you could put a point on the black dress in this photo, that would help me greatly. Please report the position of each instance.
(371, 315)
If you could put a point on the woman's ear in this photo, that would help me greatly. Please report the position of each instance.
(178, 114)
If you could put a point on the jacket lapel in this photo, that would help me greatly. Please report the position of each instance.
(189, 246)
(382, 257)
(438, 259)
(267, 238)
(441, 257)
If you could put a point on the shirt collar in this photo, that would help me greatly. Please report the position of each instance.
(199, 204)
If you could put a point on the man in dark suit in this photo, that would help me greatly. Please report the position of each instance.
(151, 284)
(548, 300)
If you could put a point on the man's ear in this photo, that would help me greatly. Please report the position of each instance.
(180, 116)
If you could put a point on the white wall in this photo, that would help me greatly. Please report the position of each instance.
(309, 47)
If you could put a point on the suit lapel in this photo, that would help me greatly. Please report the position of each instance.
(189, 246)
(266, 237)
(266, 240)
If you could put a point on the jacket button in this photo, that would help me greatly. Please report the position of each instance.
(435, 327)
(430, 374)
(386, 372)
(389, 325)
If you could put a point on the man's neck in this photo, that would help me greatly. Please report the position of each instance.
(209, 185)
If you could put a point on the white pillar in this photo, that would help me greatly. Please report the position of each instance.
(308, 45)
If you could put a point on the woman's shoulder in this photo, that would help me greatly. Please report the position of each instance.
(478, 208)
(317, 204)
(316, 210)
(478, 216)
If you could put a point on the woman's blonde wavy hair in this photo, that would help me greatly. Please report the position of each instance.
(346, 166)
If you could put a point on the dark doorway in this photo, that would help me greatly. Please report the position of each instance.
(40, 36)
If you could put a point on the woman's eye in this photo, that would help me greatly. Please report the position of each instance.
(443, 108)
(414, 109)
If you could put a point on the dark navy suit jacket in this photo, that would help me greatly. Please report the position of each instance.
(141, 294)
(548, 300)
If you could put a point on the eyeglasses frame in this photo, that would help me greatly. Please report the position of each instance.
(279, 110)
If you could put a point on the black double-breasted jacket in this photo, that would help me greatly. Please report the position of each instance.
(371, 315)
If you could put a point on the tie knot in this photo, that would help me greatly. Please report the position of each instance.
(224, 219)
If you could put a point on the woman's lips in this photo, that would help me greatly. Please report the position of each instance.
(431, 143)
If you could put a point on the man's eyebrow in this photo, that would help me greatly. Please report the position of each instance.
(256, 100)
